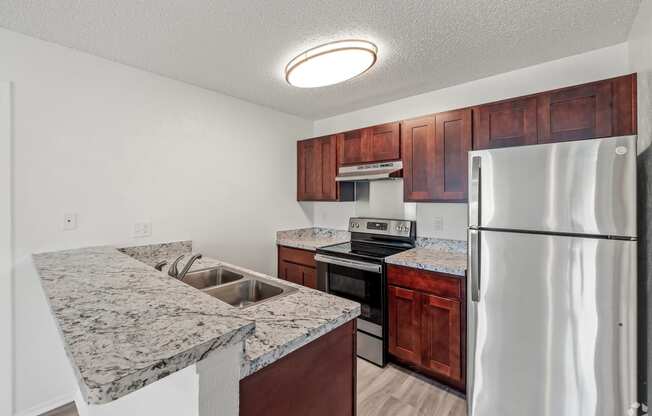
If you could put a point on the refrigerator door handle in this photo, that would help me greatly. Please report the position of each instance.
(474, 265)
(474, 192)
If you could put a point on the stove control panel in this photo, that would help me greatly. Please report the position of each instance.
(399, 228)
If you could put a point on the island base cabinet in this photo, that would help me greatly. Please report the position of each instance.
(318, 379)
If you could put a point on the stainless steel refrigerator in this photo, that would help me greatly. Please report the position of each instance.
(552, 280)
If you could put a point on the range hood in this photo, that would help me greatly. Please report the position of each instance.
(370, 172)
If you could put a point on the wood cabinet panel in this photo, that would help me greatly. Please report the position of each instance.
(418, 149)
(296, 255)
(318, 379)
(425, 281)
(509, 123)
(452, 143)
(404, 334)
(310, 277)
(297, 266)
(624, 110)
(426, 330)
(369, 145)
(317, 169)
(352, 147)
(441, 332)
(385, 144)
(292, 272)
(577, 113)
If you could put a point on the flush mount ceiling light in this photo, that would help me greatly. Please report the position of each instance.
(331, 63)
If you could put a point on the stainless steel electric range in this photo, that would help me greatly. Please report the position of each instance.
(356, 271)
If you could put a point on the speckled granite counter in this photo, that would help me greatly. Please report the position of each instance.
(311, 238)
(437, 255)
(126, 325)
(288, 323)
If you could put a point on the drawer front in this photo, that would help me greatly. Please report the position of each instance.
(430, 282)
(295, 255)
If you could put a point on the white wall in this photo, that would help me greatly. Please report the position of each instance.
(117, 145)
(6, 254)
(590, 66)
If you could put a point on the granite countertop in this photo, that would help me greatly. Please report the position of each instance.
(311, 238)
(436, 255)
(126, 325)
(288, 323)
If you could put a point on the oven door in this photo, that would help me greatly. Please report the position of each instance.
(355, 280)
(361, 282)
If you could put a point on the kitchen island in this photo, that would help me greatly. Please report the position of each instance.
(134, 335)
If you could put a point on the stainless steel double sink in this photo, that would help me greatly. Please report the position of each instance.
(236, 288)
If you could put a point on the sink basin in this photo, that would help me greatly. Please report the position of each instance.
(248, 292)
(215, 276)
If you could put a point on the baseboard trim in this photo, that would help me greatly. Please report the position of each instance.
(41, 408)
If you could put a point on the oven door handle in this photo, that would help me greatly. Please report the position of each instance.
(354, 264)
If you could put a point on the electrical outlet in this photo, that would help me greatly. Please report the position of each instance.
(438, 224)
(142, 229)
(69, 222)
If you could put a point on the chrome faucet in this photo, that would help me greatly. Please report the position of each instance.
(173, 271)
(159, 266)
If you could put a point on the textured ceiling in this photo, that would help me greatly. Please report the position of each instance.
(239, 47)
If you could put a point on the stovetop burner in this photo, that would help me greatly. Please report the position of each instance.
(374, 239)
(359, 249)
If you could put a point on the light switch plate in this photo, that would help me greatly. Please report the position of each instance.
(142, 229)
(438, 224)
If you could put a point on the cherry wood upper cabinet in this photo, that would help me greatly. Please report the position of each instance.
(441, 336)
(404, 318)
(453, 136)
(435, 155)
(372, 144)
(384, 141)
(599, 109)
(418, 143)
(507, 123)
(351, 147)
(316, 171)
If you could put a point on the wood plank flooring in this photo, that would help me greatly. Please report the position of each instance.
(395, 391)
(389, 391)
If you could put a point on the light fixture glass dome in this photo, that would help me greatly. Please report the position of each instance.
(331, 63)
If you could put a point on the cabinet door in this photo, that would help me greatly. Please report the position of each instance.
(352, 147)
(452, 144)
(418, 149)
(441, 336)
(293, 272)
(404, 336)
(511, 123)
(329, 190)
(384, 142)
(309, 277)
(576, 113)
(309, 175)
(317, 168)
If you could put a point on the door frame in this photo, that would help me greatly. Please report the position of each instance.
(6, 251)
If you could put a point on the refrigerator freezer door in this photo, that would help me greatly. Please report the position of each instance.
(581, 187)
(553, 332)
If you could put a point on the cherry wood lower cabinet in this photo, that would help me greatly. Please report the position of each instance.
(297, 266)
(318, 379)
(427, 323)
